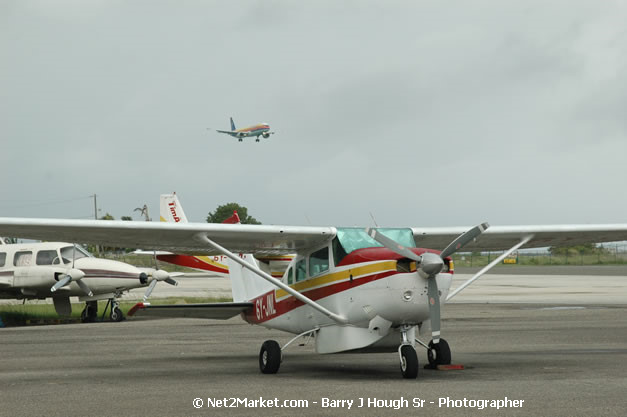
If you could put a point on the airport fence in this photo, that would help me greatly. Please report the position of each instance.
(603, 255)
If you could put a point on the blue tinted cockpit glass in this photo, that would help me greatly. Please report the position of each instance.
(356, 238)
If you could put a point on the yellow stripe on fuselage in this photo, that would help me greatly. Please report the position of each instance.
(326, 279)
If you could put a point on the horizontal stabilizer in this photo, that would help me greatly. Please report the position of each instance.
(218, 311)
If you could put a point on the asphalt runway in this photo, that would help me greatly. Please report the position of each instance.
(557, 342)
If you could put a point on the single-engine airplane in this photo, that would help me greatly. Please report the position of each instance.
(350, 289)
(261, 129)
(60, 270)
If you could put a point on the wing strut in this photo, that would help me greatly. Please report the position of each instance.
(488, 267)
(335, 317)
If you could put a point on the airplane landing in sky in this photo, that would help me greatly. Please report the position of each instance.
(261, 129)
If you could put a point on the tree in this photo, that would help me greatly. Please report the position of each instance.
(225, 211)
(586, 249)
(107, 217)
(127, 218)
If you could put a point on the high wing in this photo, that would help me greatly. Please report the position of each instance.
(174, 237)
(504, 237)
(218, 311)
(276, 240)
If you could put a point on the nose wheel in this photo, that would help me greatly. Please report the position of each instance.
(407, 353)
(409, 361)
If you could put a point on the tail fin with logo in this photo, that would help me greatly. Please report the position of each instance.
(170, 209)
(232, 125)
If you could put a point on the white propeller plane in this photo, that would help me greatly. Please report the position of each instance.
(349, 288)
(63, 270)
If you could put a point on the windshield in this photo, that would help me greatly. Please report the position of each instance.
(353, 238)
(67, 253)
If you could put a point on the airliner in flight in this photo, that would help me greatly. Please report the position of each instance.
(261, 129)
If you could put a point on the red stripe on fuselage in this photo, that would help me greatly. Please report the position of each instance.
(258, 315)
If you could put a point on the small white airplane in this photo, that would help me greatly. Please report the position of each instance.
(60, 270)
(350, 289)
(261, 129)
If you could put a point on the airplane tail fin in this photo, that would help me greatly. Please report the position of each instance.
(232, 125)
(245, 284)
(170, 210)
(234, 219)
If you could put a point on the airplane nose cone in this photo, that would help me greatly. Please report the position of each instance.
(431, 264)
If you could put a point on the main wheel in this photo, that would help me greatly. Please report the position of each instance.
(439, 353)
(84, 315)
(116, 314)
(270, 357)
(409, 362)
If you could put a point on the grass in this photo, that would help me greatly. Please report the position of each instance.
(21, 314)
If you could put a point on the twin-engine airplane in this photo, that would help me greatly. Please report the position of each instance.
(261, 129)
(62, 270)
(348, 288)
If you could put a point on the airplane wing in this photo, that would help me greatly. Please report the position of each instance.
(174, 237)
(225, 131)
(504, 237)
(219, 311)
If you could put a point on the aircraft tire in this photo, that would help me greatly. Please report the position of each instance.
(439, 354)
(409, 362)
(270, 357)
(116, 315)
(84, 316)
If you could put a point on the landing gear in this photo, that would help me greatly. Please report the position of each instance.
(407, 353)
(270, 357)
(116, 313)
(257, 140)
(439, 353)
(409, 361)
(240, 140)
(90, 312)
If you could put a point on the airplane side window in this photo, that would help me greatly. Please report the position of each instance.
(290, 276)
(23, 258)
(301, 270)
(3, 258)
(45, 257)
(319, 262)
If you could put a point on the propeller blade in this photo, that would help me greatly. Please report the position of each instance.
(62, 282)
(171, 281)
(149, 290)
(84, 287)
(434, 309)
(463, 239)
(392, 245)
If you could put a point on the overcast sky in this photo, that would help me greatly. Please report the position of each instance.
(423, 113)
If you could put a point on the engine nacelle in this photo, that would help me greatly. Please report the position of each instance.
(265, 135)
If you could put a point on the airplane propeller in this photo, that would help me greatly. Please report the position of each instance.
(160, 275)
(75, 275)
(430, 266)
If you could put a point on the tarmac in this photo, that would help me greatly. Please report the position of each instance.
(564, 354)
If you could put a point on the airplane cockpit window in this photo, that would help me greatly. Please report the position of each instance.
(46, 257)
(319, 262)
(24, 258)
(301, 270)
(3, 258)
(356, 238)
(290, 276)
(67, 253)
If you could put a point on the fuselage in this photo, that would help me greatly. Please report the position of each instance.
(29, 270)
(373, 288)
